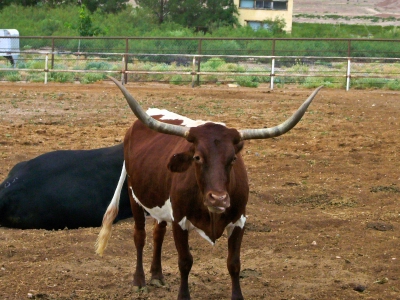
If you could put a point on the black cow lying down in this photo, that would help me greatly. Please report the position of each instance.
(67, 188)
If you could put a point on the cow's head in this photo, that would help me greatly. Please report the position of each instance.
(213, 152)
(214, 149)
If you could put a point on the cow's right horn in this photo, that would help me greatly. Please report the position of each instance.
(148, 120)
(266, 133)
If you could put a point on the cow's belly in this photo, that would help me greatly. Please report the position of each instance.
(165, 213)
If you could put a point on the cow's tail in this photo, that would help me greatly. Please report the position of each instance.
(109, 216)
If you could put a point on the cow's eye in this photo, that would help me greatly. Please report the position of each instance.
(197, 158)
(233, 160)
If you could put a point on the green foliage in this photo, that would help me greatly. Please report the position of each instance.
(35, 77)
(276, 26)
(86, 27)
(98, 65)
(12, 76)
(157, 9)
(105, 6)
(393, 85)
(314, 82)
(92, 77)
(179, 79)
(213, 63)
(61, 77)
(368, 83)
(248, 81)
(64, 20)
(203, 16)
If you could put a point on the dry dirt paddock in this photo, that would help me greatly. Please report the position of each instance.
(323, 215)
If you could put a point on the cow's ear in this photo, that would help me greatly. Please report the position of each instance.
(180, 162)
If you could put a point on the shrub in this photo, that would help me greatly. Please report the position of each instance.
(62, 77)
(248, 81)
(393, 85)
(12, 76)
(98, 65)
(92, 77)
(176, 79)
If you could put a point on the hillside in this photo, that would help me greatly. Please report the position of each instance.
(352, 11)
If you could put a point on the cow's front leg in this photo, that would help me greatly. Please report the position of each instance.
(233, 262)
(185, 259)
(157, 277)
(139, 237)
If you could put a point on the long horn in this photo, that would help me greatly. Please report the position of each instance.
(148, 120)
(266, 133)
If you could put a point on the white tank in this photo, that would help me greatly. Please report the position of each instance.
(9, 47)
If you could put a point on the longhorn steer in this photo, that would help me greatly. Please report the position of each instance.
(192, 177)
(67, 188)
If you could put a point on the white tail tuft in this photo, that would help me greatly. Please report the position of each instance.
(109, 216)
(106, 228)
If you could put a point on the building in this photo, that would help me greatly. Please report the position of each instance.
(253, 13)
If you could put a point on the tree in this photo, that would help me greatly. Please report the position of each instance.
(4, 3)
(223, 12)
(159, 8)
(85, 24)
(105, 6)
(186, 13)
(192, 13)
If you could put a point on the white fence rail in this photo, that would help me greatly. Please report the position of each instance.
(275, 68)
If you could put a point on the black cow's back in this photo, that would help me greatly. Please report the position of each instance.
(67, 188)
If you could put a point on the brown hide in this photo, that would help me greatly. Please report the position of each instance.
(195, 173)
(150, 155)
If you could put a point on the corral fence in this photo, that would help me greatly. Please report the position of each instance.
(346, 63)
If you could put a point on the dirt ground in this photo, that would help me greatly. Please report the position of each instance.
(348, 8)
(323, 214)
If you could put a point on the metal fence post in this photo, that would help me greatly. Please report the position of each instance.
(272, 72)
(52, 53)
(193, 70)
(126, 60)
(272, 65)
(123, 70)
(348, 74)
(46, 68)
(199, 60)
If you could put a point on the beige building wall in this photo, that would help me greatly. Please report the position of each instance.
(247, 15)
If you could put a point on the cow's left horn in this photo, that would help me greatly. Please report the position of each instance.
(266, 133)
(148, 120)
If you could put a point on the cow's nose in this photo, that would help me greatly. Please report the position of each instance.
(218, 197)
(217, 202)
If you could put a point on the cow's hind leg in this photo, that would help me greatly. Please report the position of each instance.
(157, 277)
(233, 262)
(139, 236)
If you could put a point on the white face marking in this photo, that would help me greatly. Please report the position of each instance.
(167, 115)
(187, 225)
(163, 213)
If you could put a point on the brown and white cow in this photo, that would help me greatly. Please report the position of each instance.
(192, 176)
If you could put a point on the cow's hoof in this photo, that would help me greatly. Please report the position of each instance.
(159, 283)
(141, 289)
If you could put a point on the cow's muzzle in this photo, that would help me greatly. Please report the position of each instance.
(217, 202)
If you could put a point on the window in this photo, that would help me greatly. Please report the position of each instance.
(255, 25)
(266, 4)
(246, 4)
(280, 5)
